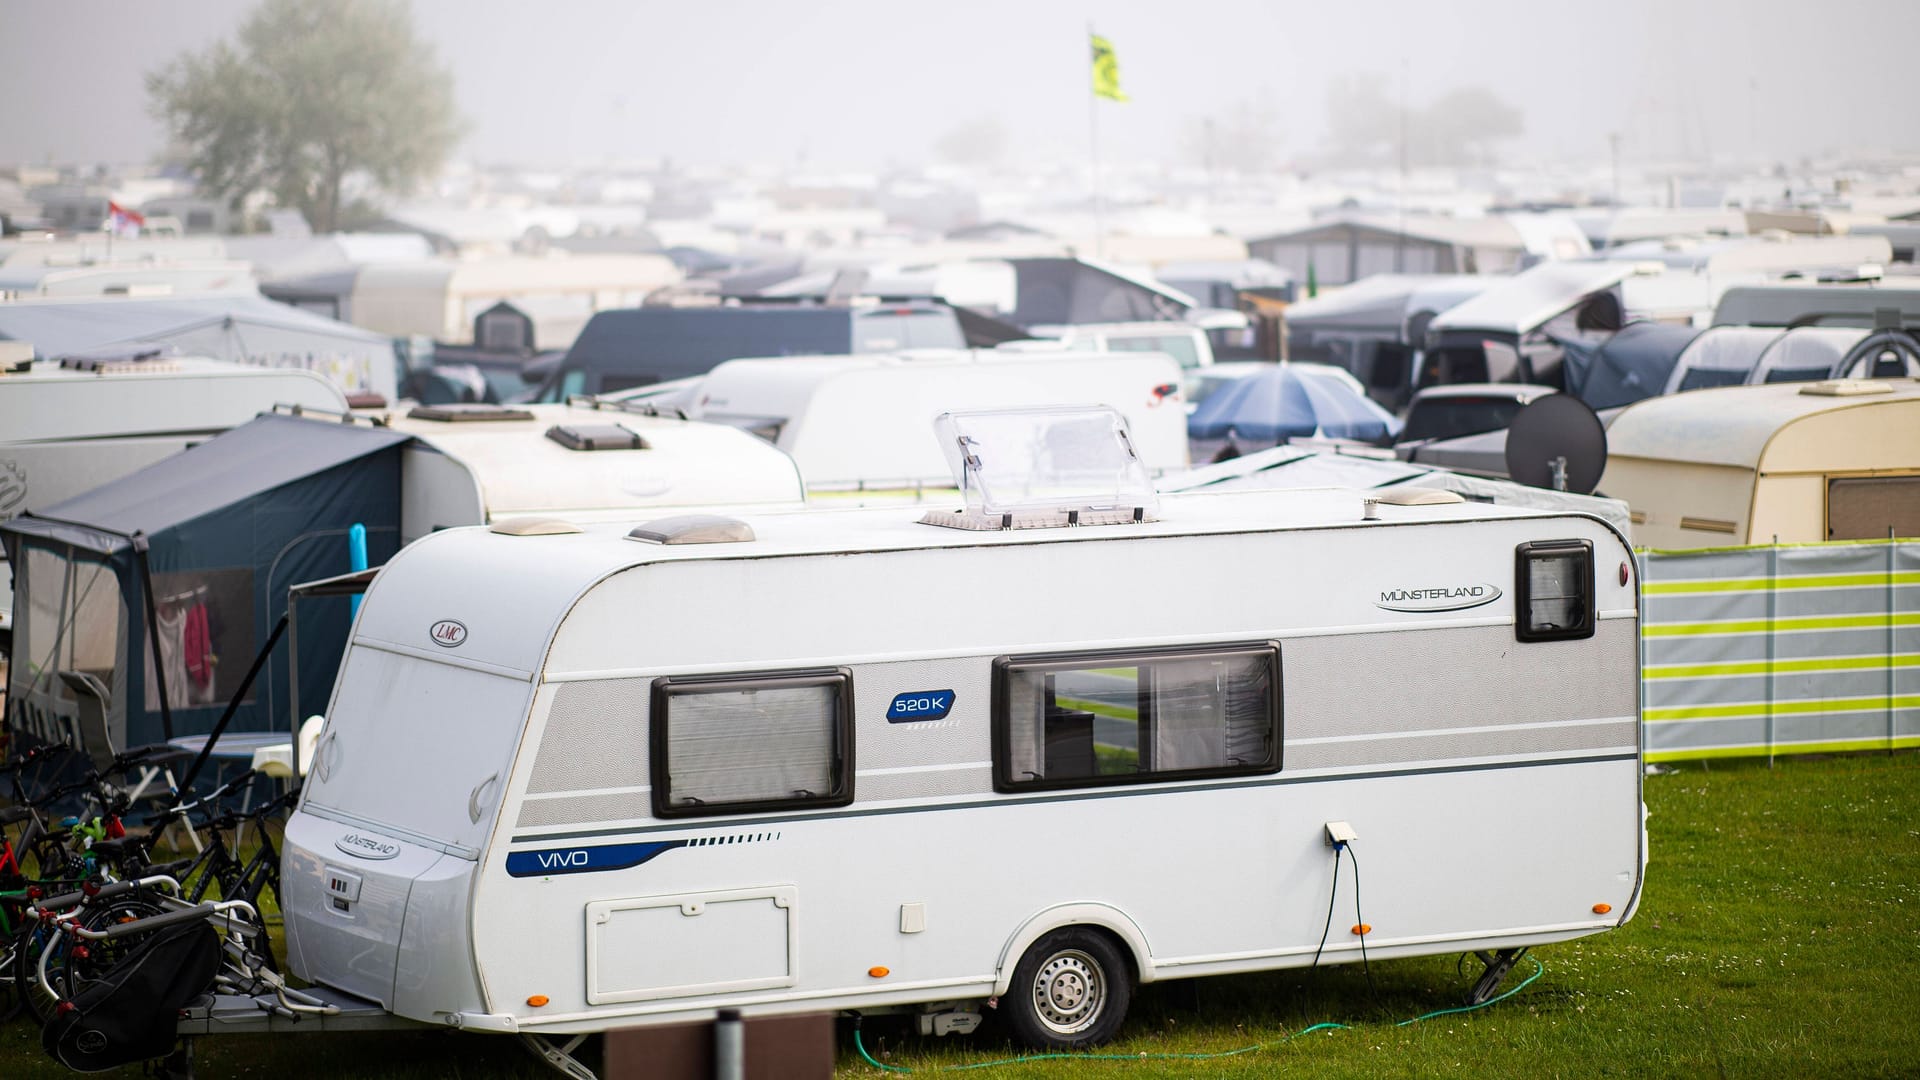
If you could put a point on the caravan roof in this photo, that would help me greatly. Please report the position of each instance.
(1850, 304)
(513, 619)
(1753, 427)
(516, 466)
(50, 401)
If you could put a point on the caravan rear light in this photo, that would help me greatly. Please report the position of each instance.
(1553, 590)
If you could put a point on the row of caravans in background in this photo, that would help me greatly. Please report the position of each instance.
(1400, 333)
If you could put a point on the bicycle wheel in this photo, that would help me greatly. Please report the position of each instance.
(72, 966)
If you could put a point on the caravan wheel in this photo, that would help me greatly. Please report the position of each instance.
(1070, 990)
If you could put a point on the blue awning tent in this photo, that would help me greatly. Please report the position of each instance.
(149, 597)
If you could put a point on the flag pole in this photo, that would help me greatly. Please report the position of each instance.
(1093, 145)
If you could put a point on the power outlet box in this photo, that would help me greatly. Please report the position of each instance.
(1339, 832)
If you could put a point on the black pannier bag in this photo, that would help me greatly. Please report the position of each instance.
(131, 1013)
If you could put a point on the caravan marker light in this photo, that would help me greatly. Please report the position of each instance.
(1602, 909)
(537, 1000)
(1363, 929)
(879, 972)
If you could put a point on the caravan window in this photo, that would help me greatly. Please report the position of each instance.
(754, 742)
(1124, 718)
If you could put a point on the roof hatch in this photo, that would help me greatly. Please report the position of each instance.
(1043, 468)
(596, 437)
(453, 414)
(694, 529)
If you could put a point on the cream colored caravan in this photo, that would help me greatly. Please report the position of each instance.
(1796, 462)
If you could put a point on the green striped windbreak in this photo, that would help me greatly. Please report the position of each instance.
(1780, 650)
(1806, 581)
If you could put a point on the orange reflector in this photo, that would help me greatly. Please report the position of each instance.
(1362, 928)
(537, 1000)
(878, 972)
(1602, 909)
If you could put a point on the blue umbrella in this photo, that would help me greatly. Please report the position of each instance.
(1290, 401)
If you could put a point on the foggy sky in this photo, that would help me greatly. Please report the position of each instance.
(866, 84)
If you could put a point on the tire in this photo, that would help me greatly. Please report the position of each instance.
(1070, 991)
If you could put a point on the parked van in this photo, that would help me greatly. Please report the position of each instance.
(619, 350)
(878, 760)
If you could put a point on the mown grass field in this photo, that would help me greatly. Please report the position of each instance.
(1779, 936)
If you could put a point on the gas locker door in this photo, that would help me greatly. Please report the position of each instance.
(649, 947)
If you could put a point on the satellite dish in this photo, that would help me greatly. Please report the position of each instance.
(1556, 442)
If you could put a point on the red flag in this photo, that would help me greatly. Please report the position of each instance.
(122, 220)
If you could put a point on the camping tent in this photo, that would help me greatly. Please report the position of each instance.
(189, 560)
(1631, 364)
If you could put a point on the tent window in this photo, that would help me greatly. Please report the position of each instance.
(755, 742)
(1702, 378)
(68, 618)
(1094, 720)
(206, 641)
(1797, 374)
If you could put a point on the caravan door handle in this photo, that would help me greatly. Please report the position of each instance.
(473, 800)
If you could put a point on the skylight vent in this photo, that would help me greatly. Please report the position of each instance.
(694, 529)
(455, 414)
(596, 437)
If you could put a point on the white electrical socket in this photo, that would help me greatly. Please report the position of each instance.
(1339, 832)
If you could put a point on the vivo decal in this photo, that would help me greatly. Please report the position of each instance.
(1442, 598)
(366, 847)
(448, 633)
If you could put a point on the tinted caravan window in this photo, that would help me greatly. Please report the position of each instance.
(753, 742)
(1117, 718)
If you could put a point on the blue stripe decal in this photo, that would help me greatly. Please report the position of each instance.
(584, 860)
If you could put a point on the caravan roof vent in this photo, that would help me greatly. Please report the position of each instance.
(1028, 468)
(595, 437)
(462, 413)
(1846, 388)
(694, 529)
(534, 526)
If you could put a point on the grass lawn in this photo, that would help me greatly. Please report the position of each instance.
(1779, 936)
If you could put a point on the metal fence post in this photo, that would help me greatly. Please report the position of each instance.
(1773, 592)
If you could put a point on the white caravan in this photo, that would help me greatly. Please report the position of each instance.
(869, 760)
(861, 423)
(473, 464)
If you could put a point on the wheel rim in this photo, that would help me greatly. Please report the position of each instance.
(1069, 992)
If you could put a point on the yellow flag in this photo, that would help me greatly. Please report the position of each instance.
(1106, 71)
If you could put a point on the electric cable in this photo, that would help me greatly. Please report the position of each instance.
(1359, 920)
(860, 1046)
(1332, 896)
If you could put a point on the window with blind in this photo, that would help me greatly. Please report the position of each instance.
(1122, 718)
(754, 742)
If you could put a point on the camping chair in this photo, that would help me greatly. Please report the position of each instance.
(92, 737)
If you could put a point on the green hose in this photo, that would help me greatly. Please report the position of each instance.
(860, 1047)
